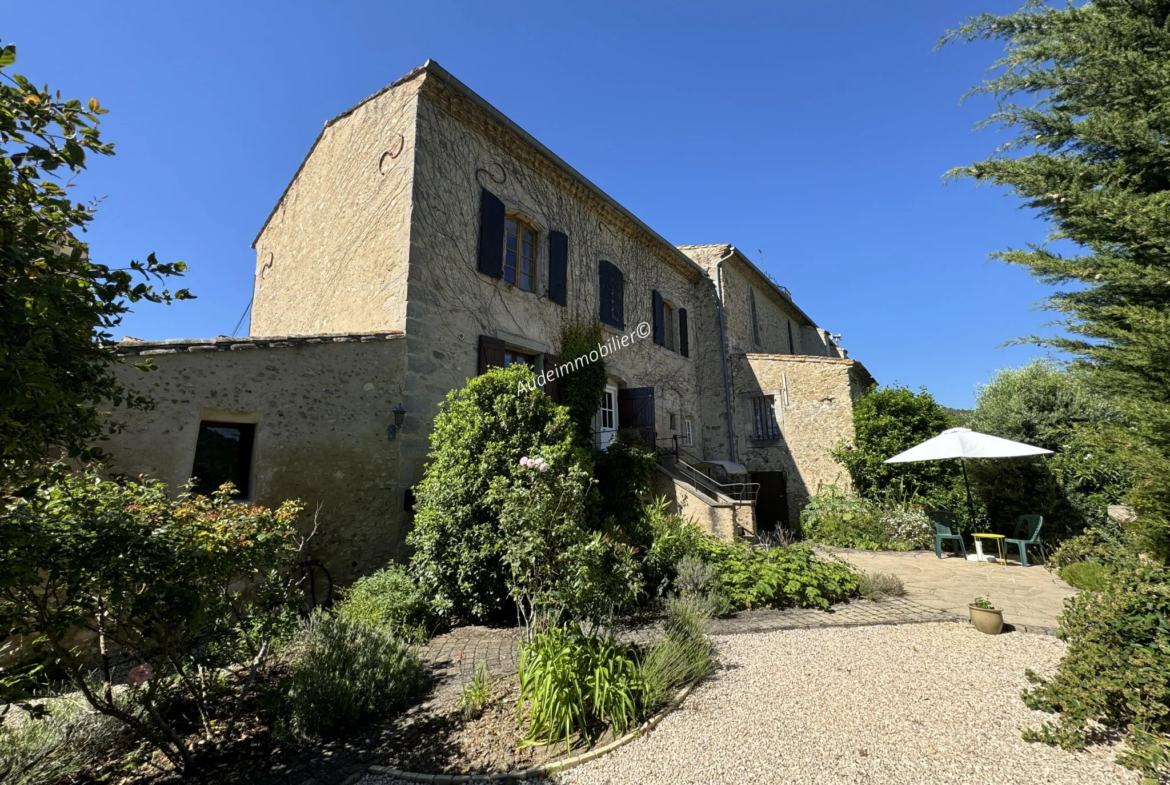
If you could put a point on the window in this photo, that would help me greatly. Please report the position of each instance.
(791, 343)
(668, 325)
(688, 435)
(512, 357)
(520, 254)
(608, 410)
(764, 427)
(612, 291)
(223, 453)
(755, 317)
(674, 422)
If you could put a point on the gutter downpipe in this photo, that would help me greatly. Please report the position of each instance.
(723, 346)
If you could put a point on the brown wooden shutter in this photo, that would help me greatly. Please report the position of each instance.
(491, 353)
(551, 361)
(558, 267)
(659, 319)
(491, 234)
(636, 410)
(684, 342)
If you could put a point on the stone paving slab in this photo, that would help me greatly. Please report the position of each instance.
(1031, 597)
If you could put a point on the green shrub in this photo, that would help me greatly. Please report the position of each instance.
(684, 656)
(1086, 575)
(623, 473)
(673, 538)
(573, 684)
(391, 600)
(880, 585)
(844, 520)
(777, 578)
(56, 746)
(346, 673)
(1116, 673)
(480, 434)
(181, 586)
(697, 581)
(553, 560)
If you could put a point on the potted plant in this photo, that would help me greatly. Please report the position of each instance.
(985, 616)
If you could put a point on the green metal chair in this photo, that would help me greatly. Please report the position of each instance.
(1029, 525)
(943, 522)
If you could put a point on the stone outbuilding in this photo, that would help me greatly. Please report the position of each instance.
(427, 237)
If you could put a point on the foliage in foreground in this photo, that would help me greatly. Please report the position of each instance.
(184, 587)
(683, 657)
(580, 391)
(1086, 575)
(57, 306)
(51, 748)
(571, 684)
(346, 673)
(1117, 669)
(389, 599)
(880, 585)
(480, 434)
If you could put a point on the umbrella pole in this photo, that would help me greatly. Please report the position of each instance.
(970, 504)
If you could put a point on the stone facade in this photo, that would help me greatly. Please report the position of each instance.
(380, 231)
(320, 405)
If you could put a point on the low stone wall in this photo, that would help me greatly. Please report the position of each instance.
(723, 520)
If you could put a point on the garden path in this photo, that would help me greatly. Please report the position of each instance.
(1032, 598)
(455, 655)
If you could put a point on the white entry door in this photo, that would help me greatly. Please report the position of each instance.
(607, 418)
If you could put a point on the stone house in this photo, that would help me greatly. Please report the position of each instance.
(426, 237)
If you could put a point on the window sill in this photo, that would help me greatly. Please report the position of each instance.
(764, 441)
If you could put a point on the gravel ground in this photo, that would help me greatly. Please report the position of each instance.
(930, 703)
(916, 704)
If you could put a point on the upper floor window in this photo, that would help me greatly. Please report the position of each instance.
(520, 254)
(755, 317)
(688, 433)
(791, 343)
(764, 426)
(612, 291)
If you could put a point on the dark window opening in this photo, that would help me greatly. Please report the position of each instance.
(223, 453)
(512, 357)
(764, 426)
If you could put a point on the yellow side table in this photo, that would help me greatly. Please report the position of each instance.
(999, 538)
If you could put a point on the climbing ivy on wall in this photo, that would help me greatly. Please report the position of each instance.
(582, 389)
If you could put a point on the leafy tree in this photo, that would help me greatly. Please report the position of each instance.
(480, 434)
(57, 307)
(582, 389)
(1086, 90)
(889, 421)
(1044, 405)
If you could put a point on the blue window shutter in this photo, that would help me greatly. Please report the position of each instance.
(491, 234)
(558, 267)
(659, 320)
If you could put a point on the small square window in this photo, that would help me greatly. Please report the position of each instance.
(223, 453)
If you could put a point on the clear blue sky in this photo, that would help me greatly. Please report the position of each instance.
(817, 132)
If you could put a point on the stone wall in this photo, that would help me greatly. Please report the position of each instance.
(461, 149)
(321, 405)
(814, 409)
(332, 255)
(725, 521)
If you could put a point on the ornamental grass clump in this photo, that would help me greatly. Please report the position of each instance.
(572, 684)
(682, 658)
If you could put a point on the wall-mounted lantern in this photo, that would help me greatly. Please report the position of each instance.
(399, 418)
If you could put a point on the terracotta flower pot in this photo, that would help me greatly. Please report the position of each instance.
(987, 620)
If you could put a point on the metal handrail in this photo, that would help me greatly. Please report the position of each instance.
(739, 491)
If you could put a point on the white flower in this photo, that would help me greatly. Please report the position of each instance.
(543, 466)
(524, 462)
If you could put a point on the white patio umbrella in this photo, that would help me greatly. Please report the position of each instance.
(965, 443)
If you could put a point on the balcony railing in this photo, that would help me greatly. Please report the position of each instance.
(684, 464)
